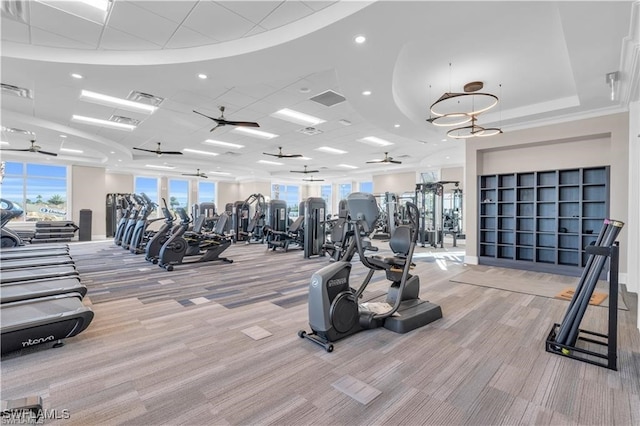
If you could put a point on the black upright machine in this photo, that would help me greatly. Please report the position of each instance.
(334, 308)
(314, 226)
(248, 227)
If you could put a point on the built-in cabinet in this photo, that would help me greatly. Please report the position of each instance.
(541, 220)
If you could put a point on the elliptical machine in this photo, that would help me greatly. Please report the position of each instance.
(334, 308)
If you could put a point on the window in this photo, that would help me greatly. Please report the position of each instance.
(178, 194)
(39, 189)
(366, 187)
(288, 193)
(344, 189)
(147, 185)
(206, 192)
(326, 192)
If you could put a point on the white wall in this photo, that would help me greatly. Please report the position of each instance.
(118, 183)
(228, 192)
(633, 223)
(88, 191)
(453, 174)
(396, 183)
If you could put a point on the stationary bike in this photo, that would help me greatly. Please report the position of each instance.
(334, 308)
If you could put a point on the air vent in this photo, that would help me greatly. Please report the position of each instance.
(14, 130)
(328, 98)
(14, 9)
(345, 122)
(124, 120)
(403, 156)
(231, 154)
(145, 98)
(310, 131)
(21, 92)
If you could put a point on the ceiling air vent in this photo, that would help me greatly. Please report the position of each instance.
(345, 122)
(231, 154)
(21, 92)
(14, 130)
(124, 120)
(145, 98)
(310, 131)
(328, 98)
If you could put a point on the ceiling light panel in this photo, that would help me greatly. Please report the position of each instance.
(102, 123)
(255, 133)
(91, 10)
(102, 99)
(297, 117)
(330, 150)
(225, 144)
(75, 151)
(153, 166)
(197, 151)
(220, 173)
(347, 166)
(272, 163)
(375, 141)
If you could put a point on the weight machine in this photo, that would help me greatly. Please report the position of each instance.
(434, 223)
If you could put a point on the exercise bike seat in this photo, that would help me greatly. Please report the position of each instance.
(400, 243)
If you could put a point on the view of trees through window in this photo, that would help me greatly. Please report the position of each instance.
(178, 194)
(289, 193)
(39, 189)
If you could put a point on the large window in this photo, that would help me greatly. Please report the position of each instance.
(39, 189)
(178, 194)
(326, 192)
(288, 193)
(366, 187)
(207, 192)
(149, 186)
(344, 189)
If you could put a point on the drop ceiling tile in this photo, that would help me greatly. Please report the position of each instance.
(175, 11)
(254, 11)
(288, 12)
(217, 22)
(114, 39)
(15, 31)
(42, 37)
(185, 37)
(65, 25)
(141, 23)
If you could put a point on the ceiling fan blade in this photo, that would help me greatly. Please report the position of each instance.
(305, 171)
(53, 154)
(172, 152)
(241, 123)
(395, 161)
(273, 155)
(375, 162)
(217, 120)
(146, 150)
(291, 155)
(13, 149)
(215, 127)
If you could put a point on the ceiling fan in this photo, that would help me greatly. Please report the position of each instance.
(33, 148)
(385, 160)
(313, 180)
(196, 174)
(305, 171)
(221, 121)
(281, 155)
(158, 151)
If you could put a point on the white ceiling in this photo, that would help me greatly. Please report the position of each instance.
(546, 61)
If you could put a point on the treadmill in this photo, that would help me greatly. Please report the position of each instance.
(23, 254)
(32, 262)
(27, 323)
(37, 273)
(24, 290)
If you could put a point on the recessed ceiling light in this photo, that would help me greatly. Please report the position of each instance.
(63, 136)
(396, 125)
(77, 151)
(220, 173)
(443, 140)
(101, 99)
(227, 144)
(153, 166)
(330, 150)
(197, 151)
(297, 117)
(366, 92)
(78, 76)
(202, 76)
(255, 133)
(347, 166)
(304, 90)
(373, 140)
(103, 123)
(447, 157)
(360, 39)
(273, 163)
(112, 152)
(4, 143)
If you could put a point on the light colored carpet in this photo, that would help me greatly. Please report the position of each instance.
(518, 281)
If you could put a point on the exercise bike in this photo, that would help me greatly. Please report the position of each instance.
(334, 308)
